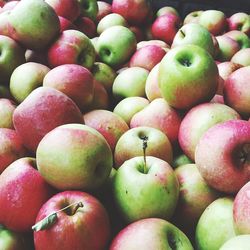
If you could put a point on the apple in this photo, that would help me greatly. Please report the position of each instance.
(132, 142)
(109, 124)
(104, 9)
(130, 82)
(242, 57)
(158, 114)
(222, 155)
(166, 9)
(239, 21)
(181, 159)
(193, 33)
(198, 120)
(74, 81)
(165, 27)
(4, 23)
(235, 93)
(81, 220)
(74, 156)
(129, 106)
(156, 42)
(86, 26)
(23, 191)
(25, 78)
(34, 24)
(110, 20)
(151, 233)
(226, 68)
(237, 242)
(89, 8)
(240, 37)
(134, 11)
(147, 57)
(43, 109)
(192, 17)
(72, 47)
(116, 45)
(145, 187)
(215, 225)
(65, 24)
(188, 76)
(7, 108)
(9, 5)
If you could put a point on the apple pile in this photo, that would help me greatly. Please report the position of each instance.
(123, 127)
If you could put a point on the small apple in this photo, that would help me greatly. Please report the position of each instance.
(88, 8)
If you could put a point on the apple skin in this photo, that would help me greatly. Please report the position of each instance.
(239, 242)
(43, 109)
(129, 106)
(9, 5)
(74, 156)
(147, 57)
(39, 29)
(165, 27)
(65, 24)
(158, 114)
(156, 42)
(130, 145)
(148, 190)
(241, 210)
(166, 9)
(239, 21)
(215, 225)
(7, 107)
(192, 17)
(151, 233)
(234, 91)
(74, 81)
(222, 155)
(89, 8)
(25, 78)
(76, 231)
(86, 26)
(226, 68)
(240, 37)
(181, 159)
(188, 76)
(198, 120)
(116, 45)
(242, 57)
(103, 10)
(109, 124)
(27, 199)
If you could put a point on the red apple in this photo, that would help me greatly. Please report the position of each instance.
(239, 21)
(86, 26)
(65, 24)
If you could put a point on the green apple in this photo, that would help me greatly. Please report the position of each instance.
(89, 8)
(215, 225)
(115, 45)
(188, 75)
(240, 242)
(145, 187)
(240, 37)
(180, 160)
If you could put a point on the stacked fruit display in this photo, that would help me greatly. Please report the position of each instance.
(122, 127)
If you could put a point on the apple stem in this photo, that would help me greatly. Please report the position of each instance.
(182, 33)
(144, 146)
(75, 206)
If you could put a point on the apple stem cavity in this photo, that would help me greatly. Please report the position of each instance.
(244, 154)
(50, 219)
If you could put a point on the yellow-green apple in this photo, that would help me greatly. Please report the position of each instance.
(116, 45)
(65, 24)
(193, 33)
(242, 57)
(7, 107)
(156, 42)
(226, 68)
(81, 223)
(86, 26)
(151, 233)
(34, 24)
(110, 20)
(74, 156)
(222, 155)
(239, 21)
(69, 9)
(43, 109)
(165, 27)
(73, 80)
(152, 87)
(181, 159)
(198, 120)
(227, 48)
(23, 192)
(166, 9)
(72, 47)
(241, 210)
(215, 225)
(195, 195)
(235, 93)
(130, 82)
(109, 124)
(127, 107)
(10, 240)
(104, 9)
(89, 8)
(134, 11)
(145, 187)
(132, 143)
(12, 55)
(240, 37)
(192, 17)
(239, 242)
(25, 78)
(158, 114)
(147, 57)
(215, 21)
(188, 76)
